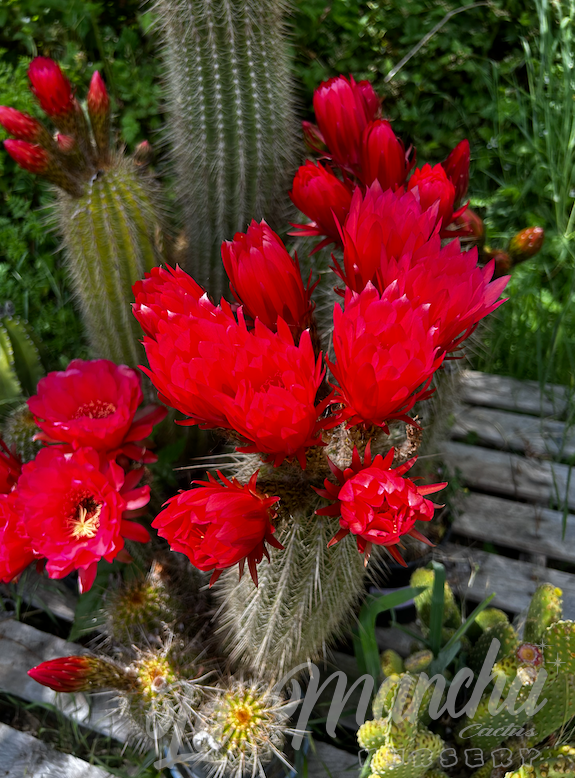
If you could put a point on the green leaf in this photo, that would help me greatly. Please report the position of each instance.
(437, 608)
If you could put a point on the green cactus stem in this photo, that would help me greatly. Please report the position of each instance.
(231, 119)
(504, 633)
(451, 614)
(112, 236)
(544, 610)
(553, 763)
(19, 431)
(20, 364)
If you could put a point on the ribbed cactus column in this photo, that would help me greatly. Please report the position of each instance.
(110, 235)
(231, 119)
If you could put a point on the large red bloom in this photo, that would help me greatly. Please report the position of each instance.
(219, 525)
(433, 187)
(381, 226)
(457, 168)
(51, 87)
(343, 108)
(15, 549)
(165, 293)
(75, 506)
(265, 278)
(376, 503)
(10, 468)
(382, 156)
(256, 382)
(94, 403)
(385, 354)
(324, 198)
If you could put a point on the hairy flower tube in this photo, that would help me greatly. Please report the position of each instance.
(265, 278)
(325, 199)
(382, 156)
(343, 108)
(10, 468)
(95, 403)
(376, 503)
(456, 167)
(79, 674)
(257, 382)
(385, 355)
(76, 507)
(15, 549)
(218, 525)
(381, 226)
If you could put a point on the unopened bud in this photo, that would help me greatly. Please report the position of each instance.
(79, 674)
(51, 87)
(143, 153)
(66, 143)
(472, 225)
(526, 244)
(20, 125)
(28, 156)
(99, 113)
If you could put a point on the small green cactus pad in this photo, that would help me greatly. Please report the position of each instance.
(553, 763)
(484, 772)
(483, 724)
(544, 610)
(560, 707)
(425, 578)
(418, 662)
(391, 663)
(504, 633)
(484, 621)
(558, 643)
(372, 734)
(435, 774)
(383, 701)
(414, 762)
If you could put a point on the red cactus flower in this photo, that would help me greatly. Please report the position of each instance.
(220, 525)
(530, 654)
(324, 198)
(434, 186)
(68, 673)
(75, 507)
(255, 382)
(165, 293)
(97, 99)
(526, 244)
(382, 156)
(10, 468)
(381, 226)
(266, 279)
(385, 355)
(343, 108)
(15, 549)
(456, 167)
(94, 403)
(28, 156)
(20, 125)
(51, 87)
(376, 503)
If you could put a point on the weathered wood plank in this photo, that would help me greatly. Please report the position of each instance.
(44, 593)
(476, 574)
(535, 437)
(23, 647)
(510, 475)
(24, 756)
(518, 525)
(493, 391)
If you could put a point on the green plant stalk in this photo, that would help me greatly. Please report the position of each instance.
(231, 120)
(110, 235)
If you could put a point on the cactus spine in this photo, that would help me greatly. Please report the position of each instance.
(230, 108)
(110, 235)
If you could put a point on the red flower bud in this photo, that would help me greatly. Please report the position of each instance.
(457, 168)
(51, 87)
(343, 109)
(20, 125)
(66, 143)
(98, 100)
(265, 279)
(470, 225)
(79, 674)
(30, 157)
(434, 187)
(324, 198)
(382, 156)
(526, 244)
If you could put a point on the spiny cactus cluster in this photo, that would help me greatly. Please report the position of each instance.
(107, 210)
(231, 120)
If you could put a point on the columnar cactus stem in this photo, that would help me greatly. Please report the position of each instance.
(230, 108)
